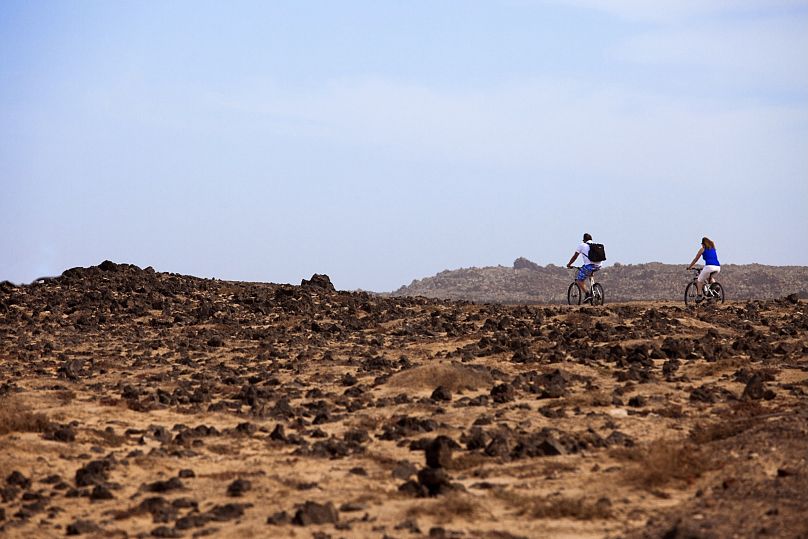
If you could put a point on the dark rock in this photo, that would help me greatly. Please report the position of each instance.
(279, 519)
(229, 511)
(80, 527)
(238, 487)
(194, 520)
(413, 488)
(71, 369)
(107, 265)
(246, 428)
(619, 438)
(435, 480)
(352, 507)
(93, 473)
(441, 394)
(499, 446)
(165, 486)
(316, 513)
(18, 479)
(637, 401)
(756, 389)
(9, 493)
(702, 394)
(100, 492)
(439, 452)
(165, 531)
(278, 434)
(502, 393)
(60, 433)
(319, 282)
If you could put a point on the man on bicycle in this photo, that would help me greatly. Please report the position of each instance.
(588, 267)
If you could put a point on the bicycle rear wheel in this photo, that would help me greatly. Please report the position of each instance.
(718, 292)
(574, 294)
(690, 294)
(598, 296)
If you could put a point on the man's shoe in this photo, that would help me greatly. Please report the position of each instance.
(699, 298)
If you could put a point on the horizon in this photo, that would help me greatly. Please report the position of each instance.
(381, 142)
(616, 264)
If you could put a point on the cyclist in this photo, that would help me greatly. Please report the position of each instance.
(588, 267)
(711, 265)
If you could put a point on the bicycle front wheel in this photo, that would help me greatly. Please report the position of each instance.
(598, 296)
(718, 292)
(574, 294)
(691, 292)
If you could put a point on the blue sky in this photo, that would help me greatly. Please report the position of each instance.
(380, 142)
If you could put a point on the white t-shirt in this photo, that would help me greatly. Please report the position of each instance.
(584, 250)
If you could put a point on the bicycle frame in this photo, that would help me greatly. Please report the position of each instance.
(595, 289)
(707, 291)
(712, 290)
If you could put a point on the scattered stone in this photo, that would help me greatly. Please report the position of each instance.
(279, 519)
(238, 487)
(228, 511)
(80, 527)
(502, 393)
(100, 492)
(93, 473)
(441, 394)
(439, 452)
(17, 479)
(315, 513)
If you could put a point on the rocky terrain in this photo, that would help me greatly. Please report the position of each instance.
(142, 404)
(527, 282)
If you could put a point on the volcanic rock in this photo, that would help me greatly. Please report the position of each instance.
(318, 282)
(439, 452)
(316, 513)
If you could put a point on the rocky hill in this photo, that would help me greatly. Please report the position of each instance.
(528, 282)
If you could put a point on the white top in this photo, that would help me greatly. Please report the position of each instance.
(584, 250)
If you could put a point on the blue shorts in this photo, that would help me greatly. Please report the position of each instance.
(586, 270)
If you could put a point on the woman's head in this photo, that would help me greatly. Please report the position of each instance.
(587, 237)
(707, 243)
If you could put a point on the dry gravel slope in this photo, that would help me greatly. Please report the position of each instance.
(136, 404)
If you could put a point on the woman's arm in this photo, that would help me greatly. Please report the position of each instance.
(701, 251)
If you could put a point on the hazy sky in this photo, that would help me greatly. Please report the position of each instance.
(381, 141)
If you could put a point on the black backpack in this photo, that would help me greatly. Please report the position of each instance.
(597, 252)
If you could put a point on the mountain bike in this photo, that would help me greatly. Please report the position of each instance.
(712, 291)
(574, 296)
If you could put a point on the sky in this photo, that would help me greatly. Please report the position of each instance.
(384, 141)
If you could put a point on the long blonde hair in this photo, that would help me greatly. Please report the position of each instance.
(707, 243)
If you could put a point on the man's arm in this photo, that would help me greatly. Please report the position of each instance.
(574, 256)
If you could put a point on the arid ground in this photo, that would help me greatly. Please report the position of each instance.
(137, 403)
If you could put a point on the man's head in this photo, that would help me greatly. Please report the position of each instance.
(587, 237)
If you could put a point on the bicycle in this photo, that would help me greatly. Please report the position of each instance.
(712, 291)
(574, 292)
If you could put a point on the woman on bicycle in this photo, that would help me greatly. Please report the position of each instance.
(711, 264)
